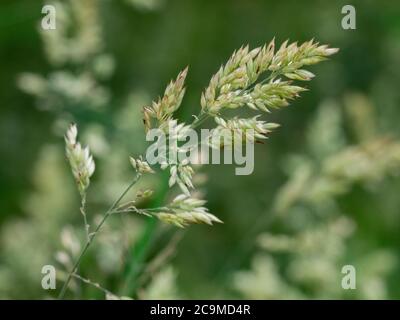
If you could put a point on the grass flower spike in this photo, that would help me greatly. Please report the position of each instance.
(140, 165)
(232, 86)
(163, 109)
(236, 84)
(182, 174)
(185, 210)
(80, 159)
(240, 130)
(274, 94)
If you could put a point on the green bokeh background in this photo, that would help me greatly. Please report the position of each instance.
(151, 46)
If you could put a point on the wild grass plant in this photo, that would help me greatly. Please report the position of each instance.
(318, 198)
(240, 82)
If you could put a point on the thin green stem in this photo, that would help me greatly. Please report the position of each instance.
(199, 119)
(93, 235)
(143, 244)
(83, 211)
(93, 284)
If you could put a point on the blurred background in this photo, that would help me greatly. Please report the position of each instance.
(324, 192)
